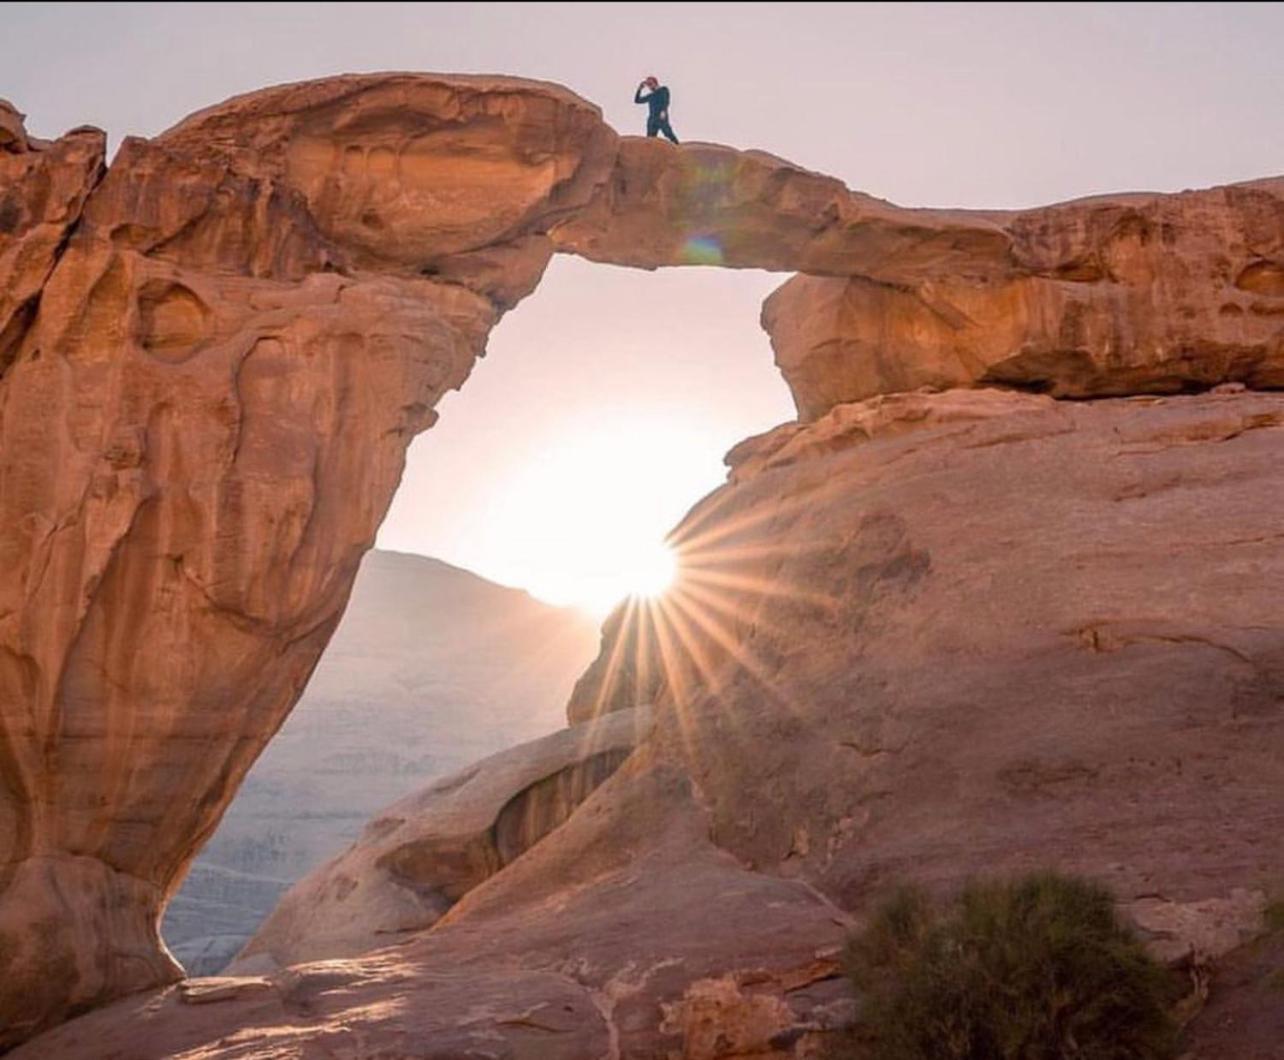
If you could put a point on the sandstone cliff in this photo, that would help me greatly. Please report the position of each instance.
(916, 634)
(203, 419)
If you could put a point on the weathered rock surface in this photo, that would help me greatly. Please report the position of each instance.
(13, 133)
(706, 204)
(623, 933)
(1244, 1018)
(1199, 933)
(931, 636)
(418, 857)
(201, 429)
(43, 188)
(923, 651)
(1020, 631)
(1128, 295)
(431, 670)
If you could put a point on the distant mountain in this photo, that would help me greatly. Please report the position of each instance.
(432, 668)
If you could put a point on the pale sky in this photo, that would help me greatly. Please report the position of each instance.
(607, 400)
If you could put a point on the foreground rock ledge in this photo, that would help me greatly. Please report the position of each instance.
(213, 356)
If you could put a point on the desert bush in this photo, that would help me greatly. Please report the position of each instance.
(1038, 968)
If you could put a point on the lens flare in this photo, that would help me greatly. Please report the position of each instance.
(702, 250)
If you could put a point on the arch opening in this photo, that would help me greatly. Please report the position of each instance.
(600, 414)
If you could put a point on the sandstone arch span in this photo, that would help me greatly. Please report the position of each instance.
(214, 354)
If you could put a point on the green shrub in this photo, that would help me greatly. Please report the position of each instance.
(1034, 969)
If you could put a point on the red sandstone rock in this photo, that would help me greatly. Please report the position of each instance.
(41, 195)
(950, 634)
(706, 204)
(1139, 294)
(923, 637)
(201, 427)
(13, 133)
(624, 933)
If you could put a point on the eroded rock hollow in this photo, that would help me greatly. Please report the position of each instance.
(212, 358)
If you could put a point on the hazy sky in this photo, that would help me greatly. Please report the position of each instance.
(608, 397)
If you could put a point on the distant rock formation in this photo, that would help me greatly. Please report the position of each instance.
(921, 637)
(418, 857)
(431, 669)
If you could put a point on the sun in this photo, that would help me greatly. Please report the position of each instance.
(651, 572)
(646, 573)
(642, 571)
(582, 521)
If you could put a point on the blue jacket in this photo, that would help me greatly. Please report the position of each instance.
(658, 101)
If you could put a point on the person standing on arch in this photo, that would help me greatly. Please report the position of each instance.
(657, 98)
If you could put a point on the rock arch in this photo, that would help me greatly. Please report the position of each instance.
(213, 355)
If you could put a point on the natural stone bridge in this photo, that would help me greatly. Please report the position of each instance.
(214, 354)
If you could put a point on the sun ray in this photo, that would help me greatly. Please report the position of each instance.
(693, 650)
(607, 684)
(674, 662)
(671, 657)
(691, 539)
(757, 586)
(725, 555)
(732, 645)
(673, 639)
(730, 609)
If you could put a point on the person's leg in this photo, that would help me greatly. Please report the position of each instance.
(667, 129)
(652, 126)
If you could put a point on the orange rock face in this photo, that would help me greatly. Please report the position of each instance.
(213, 357)
(204, 409)
(705, 204)
(926, 637)
(1139, 294)
(42, 191)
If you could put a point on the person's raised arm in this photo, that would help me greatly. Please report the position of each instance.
(638, 97)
